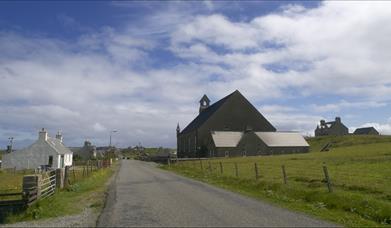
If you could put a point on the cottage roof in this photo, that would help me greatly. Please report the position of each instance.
(226, 138)
(364, 130)
(282, 139)
(57, 145)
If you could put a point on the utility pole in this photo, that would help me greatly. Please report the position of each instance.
(111, 132)
(9, 147)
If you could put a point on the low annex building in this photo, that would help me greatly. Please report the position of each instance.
(331, 128)
(366, 131)
(234, 127)
(46, 151)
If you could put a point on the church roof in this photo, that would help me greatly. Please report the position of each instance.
(205, 114)
(226, 138)
(282, 139)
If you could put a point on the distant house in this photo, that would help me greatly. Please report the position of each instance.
(46, 151)
(366, 131)
(331, 128)
(88, 151)
(231, 127)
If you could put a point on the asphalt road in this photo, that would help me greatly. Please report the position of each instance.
(143, 195)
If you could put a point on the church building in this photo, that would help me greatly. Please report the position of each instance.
(234, 127)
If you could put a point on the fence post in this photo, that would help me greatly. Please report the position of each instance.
(66, 176)
(284, 173)
(256, 171)
(60, 178)
(84, 171)
(326, 175)
(209, 166)
(169, 162)
(221, 167)
(74, 175)
(30, 182)
(202, 168)
(236, 170)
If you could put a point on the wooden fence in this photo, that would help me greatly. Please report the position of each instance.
(43, 185)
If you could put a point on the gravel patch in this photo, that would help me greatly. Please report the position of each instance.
(87, 218)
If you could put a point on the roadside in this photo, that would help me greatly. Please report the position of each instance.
(144, 195)
(311, 202)
(79, 205)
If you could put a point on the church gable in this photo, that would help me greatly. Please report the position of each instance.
(236, 113)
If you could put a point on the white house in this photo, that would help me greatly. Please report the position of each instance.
(45, 151)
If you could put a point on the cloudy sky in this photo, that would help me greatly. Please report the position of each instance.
(140, 67)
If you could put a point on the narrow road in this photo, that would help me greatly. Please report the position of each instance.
(143, 195)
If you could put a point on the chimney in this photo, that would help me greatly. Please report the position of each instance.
(338, 119)
(59, 136)
(43, 135)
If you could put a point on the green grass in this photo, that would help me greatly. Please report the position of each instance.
(88, 192)
(359, 167)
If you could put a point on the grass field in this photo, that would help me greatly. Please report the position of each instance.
(11, 181)
(359, 168)
(87, 191)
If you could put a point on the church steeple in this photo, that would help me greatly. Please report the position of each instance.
(178, 129)
(204, 103)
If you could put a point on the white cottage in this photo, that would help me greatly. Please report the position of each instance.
(46, 151)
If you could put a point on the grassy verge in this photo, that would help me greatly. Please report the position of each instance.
(340, 207)
(88, 192)
(359, 167)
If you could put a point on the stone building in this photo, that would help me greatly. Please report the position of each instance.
(331, 128)
(46, 151)
(87, 152)
(366, 131)
(224, 129)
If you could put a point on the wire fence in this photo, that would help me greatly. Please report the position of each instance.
(371, 179)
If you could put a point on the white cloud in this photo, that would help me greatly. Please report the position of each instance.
(343, 104)
(287, 118)
(106, 79)
(343, 45)
(99, 127)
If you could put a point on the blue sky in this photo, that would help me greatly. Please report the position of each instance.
(87, 68)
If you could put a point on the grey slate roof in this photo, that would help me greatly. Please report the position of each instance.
(282, 139)
(208, 112)
(364, 130)
(226, 138)
(57, 145)
(204, 115)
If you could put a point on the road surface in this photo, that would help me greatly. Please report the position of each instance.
(143, 195)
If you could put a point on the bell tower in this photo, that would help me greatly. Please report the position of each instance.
(204, 103)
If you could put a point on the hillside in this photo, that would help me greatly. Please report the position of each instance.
(316, 143)
(359, 168)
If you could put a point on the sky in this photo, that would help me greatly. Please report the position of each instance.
(140, 67)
